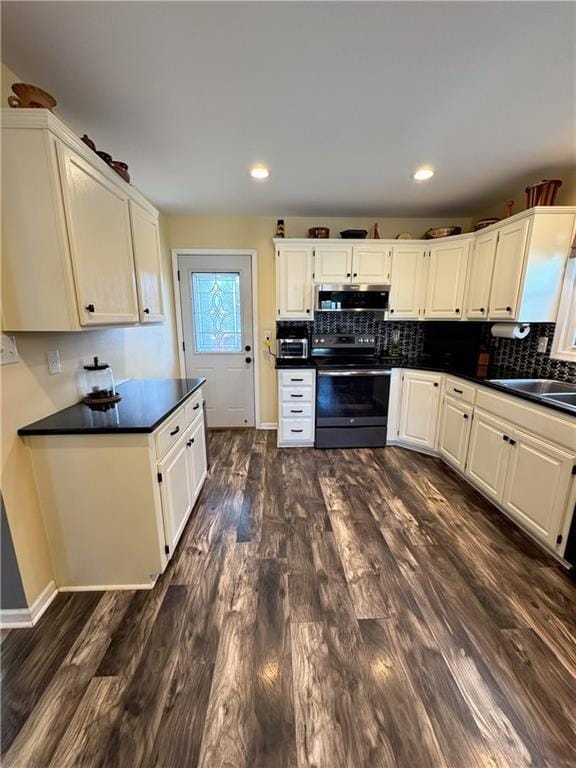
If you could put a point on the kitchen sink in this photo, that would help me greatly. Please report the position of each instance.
(541, 387)
(566, 398)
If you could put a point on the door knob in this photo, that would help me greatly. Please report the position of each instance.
(90, 308)
(147, 311)
(247, 347)
(248, 359)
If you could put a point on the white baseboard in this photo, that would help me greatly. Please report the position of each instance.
(107, 587)
(17, 618)
(268, 425)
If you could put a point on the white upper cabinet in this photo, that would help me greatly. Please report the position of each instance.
(69, 243)
(332, 263)
(371, 264)
(419, 408)
(408, 273)
(480, 275)
(508, 265)
(146, 243)
(100, 243)
(446, 280)
(294, 294)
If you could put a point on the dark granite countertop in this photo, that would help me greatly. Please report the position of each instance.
(283, 362)
(484, 381)
(145, 404)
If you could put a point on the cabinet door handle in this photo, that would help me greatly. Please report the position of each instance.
(506, 438)
(296, 410)
(465, 415)
(435, 383)
(196, 407)
(457, 311)
(512, 442)
(482, 310)
(355, 274)
(147, 311)
(296, 430)
(459, 391)
(308, 311)
(348, 274)
(296, 379)
(391, 311)
(175, 431)
(189, 443)
(508, 309)
(90, 308)
(296, 395)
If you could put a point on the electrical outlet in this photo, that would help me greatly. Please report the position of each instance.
(267, 335)
(54, 364)
(543, 344)
(8, 351)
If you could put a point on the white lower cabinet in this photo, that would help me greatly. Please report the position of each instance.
(488, 453)
(537, 485)
(296, 407)
(176, 491)
(530, 475)
(115, 505)
(455, 423)
(419, 409)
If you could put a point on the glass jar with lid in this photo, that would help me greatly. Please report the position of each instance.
(98, 385)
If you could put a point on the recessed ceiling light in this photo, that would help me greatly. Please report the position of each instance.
(259, 172)
(423, 174)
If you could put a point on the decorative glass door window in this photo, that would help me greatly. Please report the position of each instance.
(216, 312)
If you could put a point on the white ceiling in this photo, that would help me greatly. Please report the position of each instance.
(341, 100)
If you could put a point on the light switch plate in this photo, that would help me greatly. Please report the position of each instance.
(54, 364)
(8, 351)
(543, 344)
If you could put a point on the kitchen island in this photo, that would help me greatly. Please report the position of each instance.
(118, 486)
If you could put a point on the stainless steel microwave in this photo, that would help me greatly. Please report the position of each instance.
(352, 298)
(290, 348)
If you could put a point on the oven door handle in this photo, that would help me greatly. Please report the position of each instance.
(354, 373)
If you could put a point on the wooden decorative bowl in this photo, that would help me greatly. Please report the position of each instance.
(30, 97)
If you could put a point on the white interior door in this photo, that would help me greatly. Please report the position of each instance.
(216, 299)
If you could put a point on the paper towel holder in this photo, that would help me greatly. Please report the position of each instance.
(516, 331)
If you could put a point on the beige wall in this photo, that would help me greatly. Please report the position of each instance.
(30, 393)
(256, 233)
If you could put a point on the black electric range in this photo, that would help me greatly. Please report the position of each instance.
(352, 391)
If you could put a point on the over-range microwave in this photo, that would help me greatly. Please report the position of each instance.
(348, 297)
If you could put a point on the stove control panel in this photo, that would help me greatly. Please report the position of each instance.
(344, 341)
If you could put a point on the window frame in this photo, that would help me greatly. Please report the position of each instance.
(564, 341)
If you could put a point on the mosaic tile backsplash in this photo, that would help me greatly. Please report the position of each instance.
(521, 357)
(510, 356)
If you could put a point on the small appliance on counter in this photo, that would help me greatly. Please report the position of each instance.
(292, 343)
(97, 386)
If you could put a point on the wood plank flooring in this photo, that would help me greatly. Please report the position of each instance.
(324, 609)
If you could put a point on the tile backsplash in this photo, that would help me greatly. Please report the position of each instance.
(510, 356)
(521, 357)
(371, 324)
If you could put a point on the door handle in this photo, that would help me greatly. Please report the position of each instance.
(90, 308)
(296, 410)
(196, 407)
(147, 311)
(296, 430)
(247, 348)
(296, 395)
(248, 359)
(175, 431)
(459, 391)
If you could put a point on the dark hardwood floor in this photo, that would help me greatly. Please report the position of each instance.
(327, 609)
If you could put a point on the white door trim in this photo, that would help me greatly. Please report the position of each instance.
(178, 309)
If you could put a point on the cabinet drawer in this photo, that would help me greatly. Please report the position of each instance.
(296, 394)
(193, 407)
(296, 430)
(296, 410)
(169, 433)
(297, 378)
(460, 390)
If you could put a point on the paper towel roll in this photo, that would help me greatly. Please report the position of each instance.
(510, 330)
